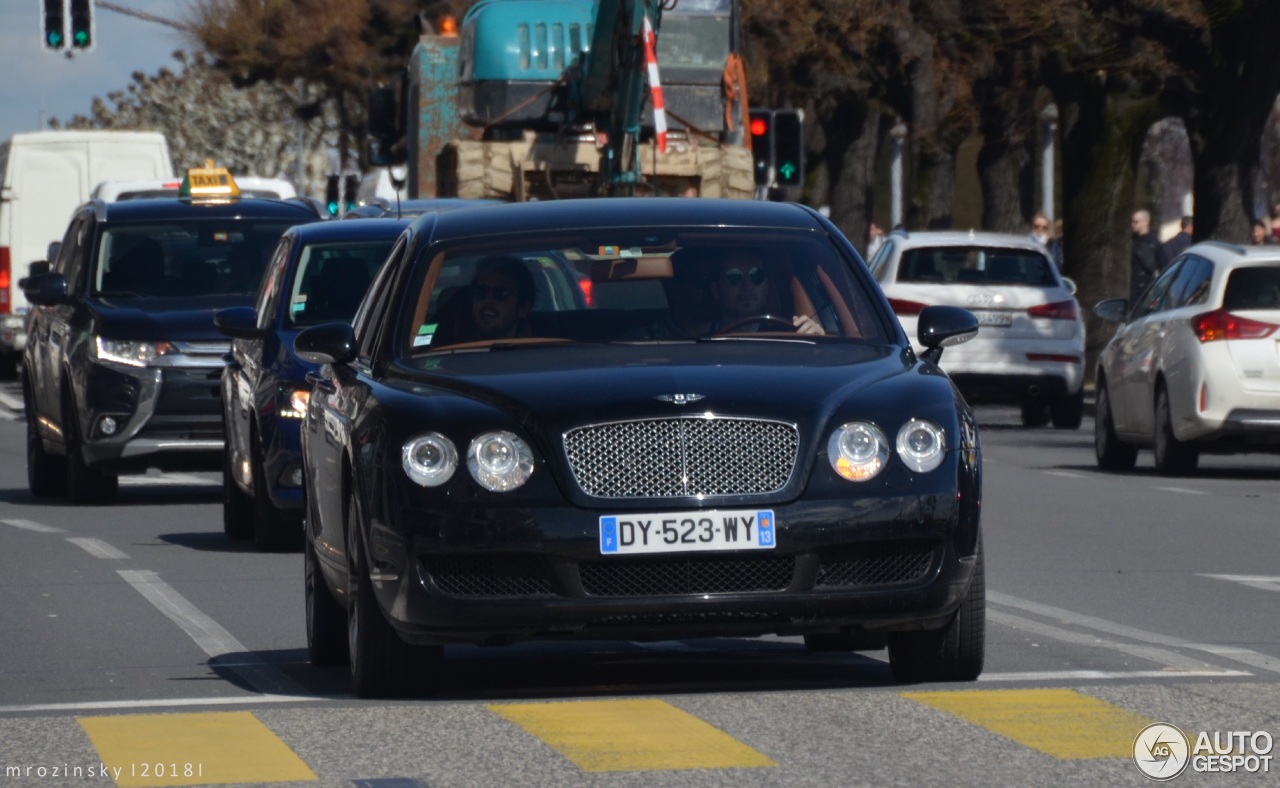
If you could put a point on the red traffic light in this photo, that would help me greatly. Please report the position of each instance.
(759, 127)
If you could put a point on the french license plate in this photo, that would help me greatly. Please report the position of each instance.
(999, 319)
(632, 534)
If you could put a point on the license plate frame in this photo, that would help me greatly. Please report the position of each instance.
(687, 532)
(993, 319)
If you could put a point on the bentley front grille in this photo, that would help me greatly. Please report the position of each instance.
(680, 457)
(489, 576)
(686, 576)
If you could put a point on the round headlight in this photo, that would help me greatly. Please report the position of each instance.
(430, 459)
(922, 445)
(858, 451)
(499, 461)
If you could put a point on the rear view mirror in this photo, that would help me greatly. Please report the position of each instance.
(54, 248)
(1112, 310)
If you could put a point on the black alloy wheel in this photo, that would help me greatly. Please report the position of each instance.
(955, 652)
(382, 664)
(1034, 414)
(1173, 457)
(271, 531)
(46, 473)
(1113, 454)
(237, 507)
(326, 620)
(1067, 413)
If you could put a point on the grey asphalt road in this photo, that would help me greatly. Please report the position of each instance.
(1115, 601)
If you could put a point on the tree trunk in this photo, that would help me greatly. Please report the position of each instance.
(852, 134)
(1103, 128)
(1007, 177)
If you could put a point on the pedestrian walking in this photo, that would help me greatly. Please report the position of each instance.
(1144, 259)
(1178, 244)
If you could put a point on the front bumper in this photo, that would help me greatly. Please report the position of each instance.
(167, 416)
(891, 563)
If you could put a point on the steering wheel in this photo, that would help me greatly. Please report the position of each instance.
(764, 318)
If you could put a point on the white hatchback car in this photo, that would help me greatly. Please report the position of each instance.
(1195, 364)
(1030, 347)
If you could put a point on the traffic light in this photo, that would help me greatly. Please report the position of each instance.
(788, 147)
(762, 144)
(350, 188)
(332, 196)
(54, 24)
(81, 24)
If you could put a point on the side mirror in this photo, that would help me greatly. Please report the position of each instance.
(1070, 284)
(327, 343)
(239, 322)
(944, 326)
(1112, 310)
(39, 267)
(45, 289)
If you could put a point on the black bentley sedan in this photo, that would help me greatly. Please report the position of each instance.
(728, 436)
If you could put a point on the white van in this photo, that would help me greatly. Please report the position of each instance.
(44, 177)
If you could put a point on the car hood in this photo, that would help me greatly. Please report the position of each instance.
(555, 388)
(156, 319)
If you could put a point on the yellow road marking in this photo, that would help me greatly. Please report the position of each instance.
(1058, 722)
(192, 749)
(630, 735)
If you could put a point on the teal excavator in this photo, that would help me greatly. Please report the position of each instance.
(546, 99)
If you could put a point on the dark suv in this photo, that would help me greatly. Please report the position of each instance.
(123, 366)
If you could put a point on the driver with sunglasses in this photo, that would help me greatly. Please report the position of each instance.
(502, 294)
(742, 288)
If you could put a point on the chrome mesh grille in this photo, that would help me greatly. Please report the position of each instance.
(668, 458)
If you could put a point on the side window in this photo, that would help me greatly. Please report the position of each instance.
(269, 295)
(881, 259)
(1192, 285)
(75, 246)
(1155, 297)
(376, 301)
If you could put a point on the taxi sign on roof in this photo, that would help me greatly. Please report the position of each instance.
(209, 184)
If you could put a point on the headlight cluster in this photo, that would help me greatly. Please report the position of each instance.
(858, 451)
(292, 402)
(133, 353)
(499, 461)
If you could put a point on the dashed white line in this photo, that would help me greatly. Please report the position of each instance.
(27, 525)
(207, 633)
(1065, 474)
(183, 479)
(1253, 581)
(97, 548)
(1183, 490)
(11, 402)
(1088, 675)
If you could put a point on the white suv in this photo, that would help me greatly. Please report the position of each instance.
(1030, 347)
(1195, 364)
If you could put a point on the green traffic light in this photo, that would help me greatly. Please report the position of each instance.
(55, 38)
(333, 209)
(82, 38)
(787, 170)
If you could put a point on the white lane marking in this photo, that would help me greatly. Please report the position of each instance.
(9, 415)
(184, 479)
(11, 402)
(1183, 490)
(96, 548)
(208, 634)
(142, 704)
(1065, 474)
(1089, 675)
(1248, 657)
(1157, 655)
(1253, 581)
(27, 525)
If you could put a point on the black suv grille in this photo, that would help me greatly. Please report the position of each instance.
(488, 576)
(687, 576)
(886, 563)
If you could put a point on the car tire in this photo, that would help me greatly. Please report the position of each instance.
(1113, 454)
(1034, 414)
(237, 507)
(382, 664)
(843, 641)
(85, 485)
(271, 532)
(955, 652)
(1173, 457)
(326, 620)
(46, 473)
(1068, 413)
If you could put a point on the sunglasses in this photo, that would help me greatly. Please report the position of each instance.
(1039, 226)
(734, 276)
(499, 293)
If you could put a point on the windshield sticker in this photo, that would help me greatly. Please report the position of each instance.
(426, 332)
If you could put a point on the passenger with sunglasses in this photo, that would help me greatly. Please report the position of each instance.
(742, 288)
(502, 293)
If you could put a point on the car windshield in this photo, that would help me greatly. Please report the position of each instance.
(1253, 288)
(635, 285)
(976, 265)
(330, 279)
(184, 257)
